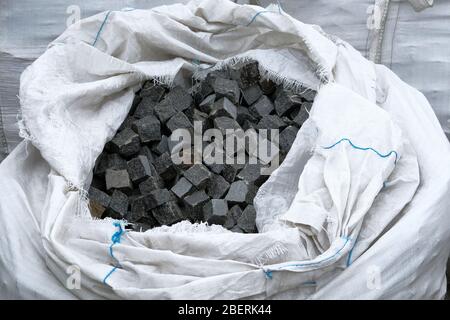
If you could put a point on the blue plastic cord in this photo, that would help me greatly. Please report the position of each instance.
(101, 28)
(365, 149)
(115, 239)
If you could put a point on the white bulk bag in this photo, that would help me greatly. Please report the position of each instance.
(359, 208)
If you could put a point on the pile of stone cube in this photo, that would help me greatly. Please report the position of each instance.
(136, 179)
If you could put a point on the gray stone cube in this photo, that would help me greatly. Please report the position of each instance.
(194, 204)
(165, 167)
(271, 122)
(162, 146)
(267, 86)
(229, 172)
(232, 216)
(244, 114)
(251, 173)
(179, 98)
(179, 121)
(287, 137)
(207, 104)
(246, 73)
(251, 94)
(139, 169)
(98, 201)
(198, 175)
(127, 123)
(182, 188)
(126, 143)
(168, 213)
(200, 91)
(262, 107)
(145, 108)
(224, 107)
(215, 211)
(145, 151)
(303, 114)
(153, 182)
(241, 193)
(159, 197)
(217, 187)
(283, 103)
(118, 179)
(118, 206)
(153, 91)
(227, 88)
(164, 110)
(148, 129)
(226, 123)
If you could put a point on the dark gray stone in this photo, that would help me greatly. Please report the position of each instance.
(224, 107)
(126, 142)
(116, 162)
(168, 213)
(198, 175)
(267, 86)
(287, 137)
(244, 114)
(217, 186)
(153, 182)
(153, 91)
(246, 73)
(283, 103)
(271, 121)
(251, 94)
(182, 188)
(165, 167)
(227, 88)
(179, 99)
(162, 146)
(207, 104)
(232, 216)
(164, 110)
(159, 197)
(247, 221)
(179, 121)
(148, 129)
(229, 172)
(145, 108)
(213, 75)
(262, 107)
(139, 169)
(145, 151)
(216, 167)
(200, 91)
(118, 206)
(309, 95)
(139, 208)
(137, 99)
(236, 229)
(251, 173)
(194, 204)
(118, 179)
(241, 193)
(215, 211)
(98, 201)
(225, 123)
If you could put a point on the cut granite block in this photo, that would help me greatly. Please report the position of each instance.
(287, 137)
(271, 121)
(207, 104)
(118, 179)
(224, 107)
(213, 75)
(148, 129)
(283, 103)
(98, 202)
(126, 143)
(145, 151)
(139, 169)
(216, 167)
(225, 123)
(247, 221)
(229, 172)
(139, 208)
(145, 108)
(153, 91)
(244, 114)
(159, 197)
(251, 94)
(227, 88)
(217, 187)
(179, 99)
(267, 86)
(241, 193)
(194, 204)
(251, 173)
(262, 107)
(137, 99)
(153, 182)
(246, 73)
(179, 121)
(164, 110)
(200, 91)
(215, 211)
(183, 188)
(101, 164)
(168, 213)
(199, 116)
(232, 216)
(198, 175)
(118, 206)
(165, 167)
(162, 146)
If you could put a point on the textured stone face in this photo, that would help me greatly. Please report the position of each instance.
(179, 121)
(145, 108)
(198, 175)
(227, 88)
(98, 201)
(118, 204)
(153, 182)
(138, 169)
(287, 137)
(225, 123)
(217, 186)
(168, 213)
(207, 104)
(183, 188)
(159, 196)
(153, 91)
(164, 111)
(165, 167)
(303, 114)
(224, 107)
(251, 94)
(126, 142)
(251, 173)
(271, 122)
(283, 103)
(246, 73)
(215, 211)
(241, 193)
(148, 129)
(118, 179)
(262, 107)
(247, 220)
(194, 203)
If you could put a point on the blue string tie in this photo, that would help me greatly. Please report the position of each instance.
(115, 239)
